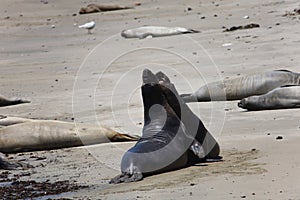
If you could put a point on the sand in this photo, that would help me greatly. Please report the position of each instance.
(71, 75)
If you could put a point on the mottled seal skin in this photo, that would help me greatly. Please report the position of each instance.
(279, 98)
(92, 8)
(155, 31)
(166, 143)
(34, 135)
(8, 102)
(242, 87)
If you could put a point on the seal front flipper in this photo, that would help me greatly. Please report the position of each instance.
(198, 150)
(126, 177)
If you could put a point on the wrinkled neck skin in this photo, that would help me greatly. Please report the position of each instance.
(156, 114)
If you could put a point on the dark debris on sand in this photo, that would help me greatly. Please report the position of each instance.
(293, 14)
(11, 188)
(248, 26)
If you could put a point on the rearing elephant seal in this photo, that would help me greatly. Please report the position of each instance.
(165, 143)
(155, 31)
(242, 87)
(279, 98)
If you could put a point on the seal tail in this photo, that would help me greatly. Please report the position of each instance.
(187, 98)
(192, 31)
(121, 137)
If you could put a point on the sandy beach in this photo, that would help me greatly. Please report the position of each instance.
(70, 75)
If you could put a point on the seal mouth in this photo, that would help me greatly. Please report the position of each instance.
(123, 34)
(242, 103)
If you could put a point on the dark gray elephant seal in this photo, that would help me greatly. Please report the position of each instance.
(242, 87)
(165, 143)
(155, 31)
(194, 126)
(8, 102)
(279, 98)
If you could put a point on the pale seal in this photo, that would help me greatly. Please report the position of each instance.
(279, 98)
(8, 102)
(155, 31)
(166, 143)
(242, 87)
(35, 135)
(92, 8)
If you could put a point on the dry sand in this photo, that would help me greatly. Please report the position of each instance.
(64, 71)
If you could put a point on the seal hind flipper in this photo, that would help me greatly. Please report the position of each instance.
(187, 98)
(192, 31)
(284, 86)
(9, 102)
(121, 137)
(283, 70)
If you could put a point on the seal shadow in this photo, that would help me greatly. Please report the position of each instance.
(235, 163)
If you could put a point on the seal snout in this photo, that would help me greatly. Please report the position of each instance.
(162, 77)
(242, 103)
(149, 77)
(123, 34)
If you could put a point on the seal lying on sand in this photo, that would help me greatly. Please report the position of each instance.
(155, 31)
(242, 87)
(92, 8)
(166, 143)
(279, 98)
(8, 102)
(50, 134)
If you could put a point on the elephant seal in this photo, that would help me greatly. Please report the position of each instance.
(165, 144)
(8, 102)
(279, 98)
(242, 87)
(36, 135)
(155, 31)
(92, 8)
